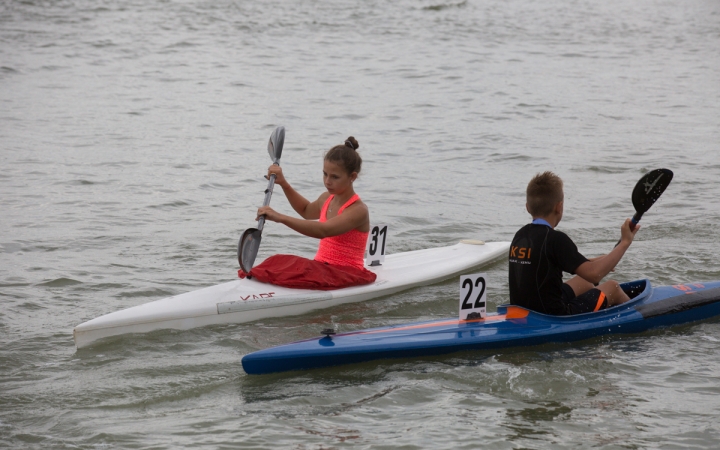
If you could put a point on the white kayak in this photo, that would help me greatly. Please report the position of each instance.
(246, 300)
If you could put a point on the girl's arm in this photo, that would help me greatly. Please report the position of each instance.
(301, 205)
(354, 216)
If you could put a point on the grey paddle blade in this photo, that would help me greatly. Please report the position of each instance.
(275, 144)
(248, 247)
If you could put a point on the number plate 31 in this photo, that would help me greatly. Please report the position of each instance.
(473, 296)
(375, 248)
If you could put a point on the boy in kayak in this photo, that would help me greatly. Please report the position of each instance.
(343, 228)
(539, 255)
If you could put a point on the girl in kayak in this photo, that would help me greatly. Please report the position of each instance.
(337, 217)
(539, 255)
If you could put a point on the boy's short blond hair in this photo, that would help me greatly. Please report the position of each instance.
(544, 191)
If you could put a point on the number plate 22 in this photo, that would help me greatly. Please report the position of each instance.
(473, 296)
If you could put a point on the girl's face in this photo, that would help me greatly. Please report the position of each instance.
(336, 179)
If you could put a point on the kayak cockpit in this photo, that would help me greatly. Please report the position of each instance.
(637, 290)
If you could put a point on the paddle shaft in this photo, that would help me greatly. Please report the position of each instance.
(268, 194)
(250, 240)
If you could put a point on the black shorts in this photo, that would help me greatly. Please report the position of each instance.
(591, 301)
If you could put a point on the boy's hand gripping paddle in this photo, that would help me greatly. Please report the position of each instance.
(647, 190)
(250, 241)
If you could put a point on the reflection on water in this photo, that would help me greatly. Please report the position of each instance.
(521, 422)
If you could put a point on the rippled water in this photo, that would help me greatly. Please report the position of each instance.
(132, 149)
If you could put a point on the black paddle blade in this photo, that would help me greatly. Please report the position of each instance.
(649, 189)
(248, 247)
(275, 144)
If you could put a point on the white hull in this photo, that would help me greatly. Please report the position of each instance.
(246, 300)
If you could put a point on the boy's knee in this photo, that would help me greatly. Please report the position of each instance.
(610, 288)
(614, 292)
(611, 284)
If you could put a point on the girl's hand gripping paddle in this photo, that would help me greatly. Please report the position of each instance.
(250, 241)
(647, 190)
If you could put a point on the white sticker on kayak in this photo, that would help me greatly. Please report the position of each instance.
(375, 249)
(473, 296)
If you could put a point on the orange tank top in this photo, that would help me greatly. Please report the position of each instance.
(347, 249)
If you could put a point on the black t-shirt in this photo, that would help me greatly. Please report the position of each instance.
(538, 257)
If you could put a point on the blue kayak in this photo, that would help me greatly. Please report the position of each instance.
(510, 326)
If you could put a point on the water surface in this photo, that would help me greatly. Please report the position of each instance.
(132, 149)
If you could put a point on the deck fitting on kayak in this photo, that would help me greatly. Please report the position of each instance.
(328, 332)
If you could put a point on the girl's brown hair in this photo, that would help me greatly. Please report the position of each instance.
(346, 155)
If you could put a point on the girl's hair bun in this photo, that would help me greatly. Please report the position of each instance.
(346, 155)
(352, 143)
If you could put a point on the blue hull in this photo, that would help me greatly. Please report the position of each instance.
(511, 326)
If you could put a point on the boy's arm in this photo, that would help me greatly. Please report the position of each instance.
(595, 270)
(599, 257)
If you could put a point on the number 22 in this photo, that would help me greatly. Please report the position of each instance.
(468, 283)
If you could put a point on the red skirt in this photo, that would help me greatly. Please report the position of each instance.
(301, 273)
